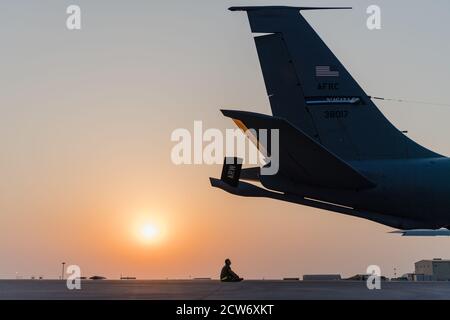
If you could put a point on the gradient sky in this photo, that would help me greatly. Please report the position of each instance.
(85, 128)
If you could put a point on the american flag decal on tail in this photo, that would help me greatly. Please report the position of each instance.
(325, 71)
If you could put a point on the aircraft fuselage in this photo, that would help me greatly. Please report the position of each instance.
(415, 189)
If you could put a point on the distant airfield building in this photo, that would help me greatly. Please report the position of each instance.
(321, 277)
(414, 277)
(432, 270)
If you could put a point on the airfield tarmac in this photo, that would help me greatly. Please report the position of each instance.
(215, 290)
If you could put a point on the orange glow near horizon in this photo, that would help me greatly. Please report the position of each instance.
(85, 165)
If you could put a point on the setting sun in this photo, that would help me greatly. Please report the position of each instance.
(149, 232)
(148, 229)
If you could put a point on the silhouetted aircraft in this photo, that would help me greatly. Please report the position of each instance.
(336, 149)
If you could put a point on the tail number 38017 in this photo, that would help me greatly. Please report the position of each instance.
(335, 114)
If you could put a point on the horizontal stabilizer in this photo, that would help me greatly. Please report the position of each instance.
(254, 8)
(301, 158)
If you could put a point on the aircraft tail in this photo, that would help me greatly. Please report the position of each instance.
(308, 86)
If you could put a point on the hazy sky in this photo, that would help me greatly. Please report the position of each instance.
(85, 125)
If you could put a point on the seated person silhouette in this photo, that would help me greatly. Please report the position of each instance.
(227, 275)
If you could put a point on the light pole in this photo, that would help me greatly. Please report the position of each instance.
(62, 273)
